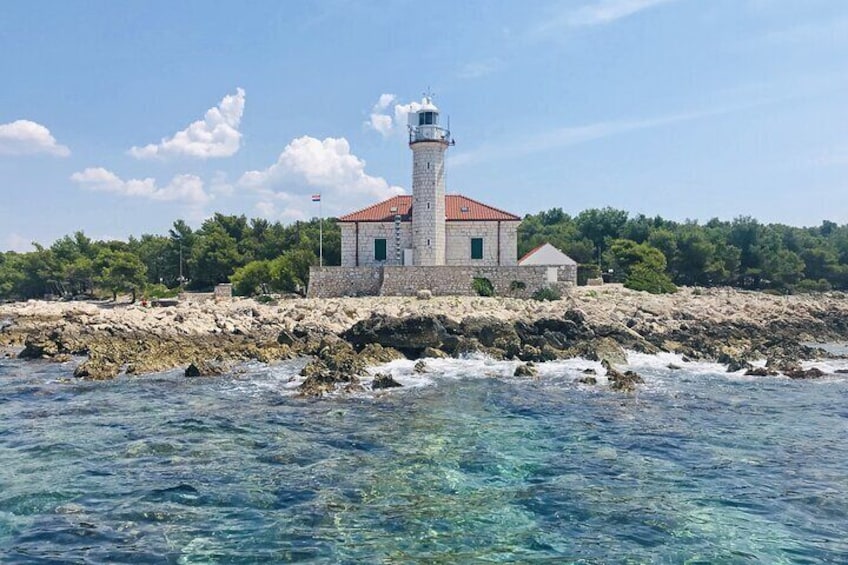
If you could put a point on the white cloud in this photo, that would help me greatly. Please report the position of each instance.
(23, 137)
(596, 13)
(269, 210)
(17, 242)
(386, 118)
(308, 165)
(221, 185)
(216, 135)
(479, 69)
(182, 188)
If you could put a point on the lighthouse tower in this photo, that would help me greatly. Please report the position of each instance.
(428, 142)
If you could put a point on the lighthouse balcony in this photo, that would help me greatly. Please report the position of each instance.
(429, 133)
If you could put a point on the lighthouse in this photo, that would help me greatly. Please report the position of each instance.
(428, 142)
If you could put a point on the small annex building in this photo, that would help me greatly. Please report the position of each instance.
(560, 266)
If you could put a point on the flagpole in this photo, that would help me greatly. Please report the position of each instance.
(320, 234)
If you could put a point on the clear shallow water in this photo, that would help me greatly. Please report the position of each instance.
(462, 465)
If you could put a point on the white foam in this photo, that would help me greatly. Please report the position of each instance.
(659, 371)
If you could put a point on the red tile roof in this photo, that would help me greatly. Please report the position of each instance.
(458, 208)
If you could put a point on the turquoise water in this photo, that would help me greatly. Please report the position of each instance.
(463, 465)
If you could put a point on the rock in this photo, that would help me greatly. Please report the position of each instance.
(609, 350)
(321, 382)
(811, 373)
(625, 382)
(286, 337)
(492, 333)
(673, 367)
(587, 380)
(432, 353)
(733, 363)
(38, 347)
(572, 325)
(413, 333)
(423, 294)
(530, 353)
(420, 366)
(526, 370)
(589, 371)
(374, 353)
(340, 357)
(204, 369)
(760, 372)
(384, 380)
(841, 371)
(97, 369)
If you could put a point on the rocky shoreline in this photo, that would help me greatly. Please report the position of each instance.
(345, 336)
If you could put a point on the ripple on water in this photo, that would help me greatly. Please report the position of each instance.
(465, 463)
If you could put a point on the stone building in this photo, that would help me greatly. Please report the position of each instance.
(429, 228)
(559, 266)
(430, 240)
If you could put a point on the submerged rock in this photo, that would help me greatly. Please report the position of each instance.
(811, 373)
(760, 372)
(528, 369)
(384, 380)
(587, 380)
(321, 382)
(625, 382)
(734, 363)
(97, 369)
(204, 369)
(420, 367)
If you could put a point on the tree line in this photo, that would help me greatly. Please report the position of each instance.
(258, 256)
(225, 248)
(650, 252)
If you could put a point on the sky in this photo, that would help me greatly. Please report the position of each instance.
(118, 118)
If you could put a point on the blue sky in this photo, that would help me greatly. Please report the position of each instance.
(119, 117)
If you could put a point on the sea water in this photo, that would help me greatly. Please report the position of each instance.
(464, 464)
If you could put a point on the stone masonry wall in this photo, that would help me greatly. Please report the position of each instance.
(459, 235)
(458, 281)
(368, 232)
(329, 282)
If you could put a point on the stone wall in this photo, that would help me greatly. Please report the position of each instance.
(368, 232)
(460, 234)
(458, 281)
(567, 274)
(328, 282)
(520, 282)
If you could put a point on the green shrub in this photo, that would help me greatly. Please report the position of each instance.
(483, 287)
(160, 291)
(586, 272)
(265, 299)
(516, 286)
(808, 285)
(547, 293)
(643, 277)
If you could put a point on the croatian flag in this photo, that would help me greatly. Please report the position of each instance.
(316, 198)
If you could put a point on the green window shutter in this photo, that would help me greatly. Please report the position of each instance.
(379, 249)
(476, 247)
